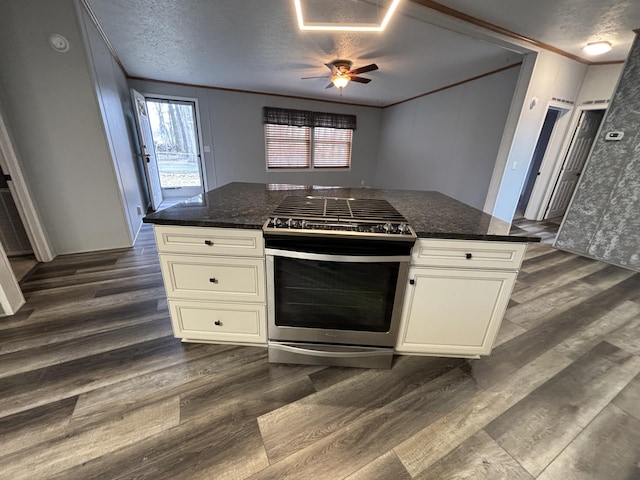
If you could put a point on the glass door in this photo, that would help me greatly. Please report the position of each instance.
(175, 135)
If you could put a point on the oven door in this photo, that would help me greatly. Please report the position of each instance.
(335, 298)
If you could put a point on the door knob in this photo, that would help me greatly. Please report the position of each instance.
(218, 323)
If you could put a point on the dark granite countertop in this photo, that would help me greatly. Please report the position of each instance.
(248, 205)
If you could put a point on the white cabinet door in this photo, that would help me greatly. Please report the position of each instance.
(453, 311)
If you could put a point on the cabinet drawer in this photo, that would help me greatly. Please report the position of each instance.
(213, 278)
(209, 241)
(468, 254)
(223, 322)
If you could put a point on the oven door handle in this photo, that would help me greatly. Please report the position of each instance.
(321, 257)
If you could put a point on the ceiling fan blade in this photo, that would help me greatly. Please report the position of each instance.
(329, 86)
(330, 66)
(360, 79)
(365, 69)
(322, 76)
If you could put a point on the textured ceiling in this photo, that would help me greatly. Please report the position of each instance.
(255, 44)
(565, 24)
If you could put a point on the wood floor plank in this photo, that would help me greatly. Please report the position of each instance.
(32, 427)
(79, 447)
(55, 352)
(539, 427)
(328, 377)
(548, 280)
(72, 378)
(629, 398)
(65, 328)
(546, 260)
(626, 337)
(519, 351)
(385, 467)
(300, 424)
(218, 361)
(607, 449)
(508, 330)
(345, 451)
(222, 442)
(229, 450)
(590, 335)
(478, 458)
(248, 390)
(87, 278)
(438, 439)
(536, 311)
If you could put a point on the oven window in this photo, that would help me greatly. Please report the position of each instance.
(334, 295)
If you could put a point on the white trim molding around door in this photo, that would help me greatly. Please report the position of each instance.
(42, 249)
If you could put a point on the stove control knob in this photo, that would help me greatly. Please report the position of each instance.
(387, 227)
(290, 223)
(276, 222)
(303, 224)
(403, 228)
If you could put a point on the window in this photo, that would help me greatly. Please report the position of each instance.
(309, 140)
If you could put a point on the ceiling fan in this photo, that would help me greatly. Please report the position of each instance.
(341, 73)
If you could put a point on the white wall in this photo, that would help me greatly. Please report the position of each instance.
(231, 123)
(599, 83)
(51, 107)
(552, 76)
(114, 100)
(447, 141)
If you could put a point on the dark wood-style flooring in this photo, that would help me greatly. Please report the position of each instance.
(93, 385)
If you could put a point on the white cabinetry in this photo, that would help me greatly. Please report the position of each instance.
(215, 283)
(457, 294)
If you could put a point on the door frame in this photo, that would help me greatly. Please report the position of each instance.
(554, 164)
(555, 149)
(161, 96)
(42, 248)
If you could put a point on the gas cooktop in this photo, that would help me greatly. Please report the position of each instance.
(367, 217)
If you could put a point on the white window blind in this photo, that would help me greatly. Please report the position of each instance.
(307, 140)
(288, 146)
(331, 147)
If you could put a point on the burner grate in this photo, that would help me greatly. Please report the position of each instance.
(365, 209)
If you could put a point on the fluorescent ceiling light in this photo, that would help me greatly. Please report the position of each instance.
(597, 48)
(344, 27)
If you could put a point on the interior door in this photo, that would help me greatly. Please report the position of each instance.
(148, 150)
(581, 143)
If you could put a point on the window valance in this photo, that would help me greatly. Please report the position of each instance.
(304, 118)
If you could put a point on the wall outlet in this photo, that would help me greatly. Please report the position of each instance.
(207, 148)
(139, 208)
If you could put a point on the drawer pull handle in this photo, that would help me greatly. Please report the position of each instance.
(213, 280)
(469, 256)
(208, 242)
(218, 323)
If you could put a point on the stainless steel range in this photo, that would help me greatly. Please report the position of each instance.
(365, 218)
(336, 276)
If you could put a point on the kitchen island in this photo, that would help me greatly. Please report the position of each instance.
(461, 272)
(248, 205)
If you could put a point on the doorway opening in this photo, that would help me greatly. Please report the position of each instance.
(174, 127)
(573, 163)
(536, 161)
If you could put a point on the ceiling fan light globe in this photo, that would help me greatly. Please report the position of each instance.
(340, 81)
